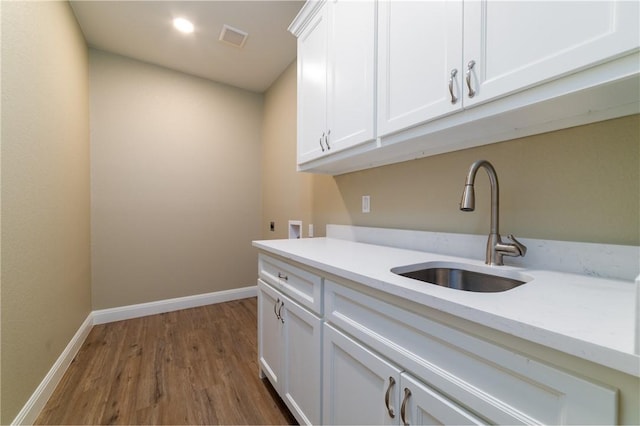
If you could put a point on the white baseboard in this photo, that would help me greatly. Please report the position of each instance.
(161, 306)
(35, 404)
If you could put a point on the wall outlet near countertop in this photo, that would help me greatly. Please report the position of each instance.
(366, 204)
(310, 234)
(637, 324)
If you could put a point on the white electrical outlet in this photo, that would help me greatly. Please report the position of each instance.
(366, 204)
(310, 230)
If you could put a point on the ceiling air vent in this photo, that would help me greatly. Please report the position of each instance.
(233, 36)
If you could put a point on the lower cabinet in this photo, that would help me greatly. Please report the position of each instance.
(422, 405)
(289, 351)
(343, 353)
(270, 334)
(361, 387)
(453, 377)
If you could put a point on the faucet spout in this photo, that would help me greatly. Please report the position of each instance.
(468, 202)
(496, 249)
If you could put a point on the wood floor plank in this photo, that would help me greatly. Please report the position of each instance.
(121, 401)
(195, 366)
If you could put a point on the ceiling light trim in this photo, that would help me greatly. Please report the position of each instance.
(183, 25)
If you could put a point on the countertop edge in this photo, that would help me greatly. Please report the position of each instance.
(624, 362)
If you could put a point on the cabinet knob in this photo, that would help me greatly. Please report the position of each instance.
(470, 66)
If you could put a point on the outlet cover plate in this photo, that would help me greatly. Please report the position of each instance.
(366, 204)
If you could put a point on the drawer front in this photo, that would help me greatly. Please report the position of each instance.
(500, 385)
(302, 286)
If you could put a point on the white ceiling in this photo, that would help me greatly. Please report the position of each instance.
(143, 30)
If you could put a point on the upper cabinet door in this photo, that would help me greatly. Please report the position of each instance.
(312, 87)
(519, 44)
(419, 47)
(336, 78)
(351, 82)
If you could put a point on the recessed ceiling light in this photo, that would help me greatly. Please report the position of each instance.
(183, 25)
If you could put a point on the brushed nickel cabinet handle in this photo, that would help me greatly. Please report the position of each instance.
(275, 308)
(454, 72)
(280, 312)
(326, 139)
(403, 409)
(283, 276)
(321, 146)
(386, 397)
(470, 66)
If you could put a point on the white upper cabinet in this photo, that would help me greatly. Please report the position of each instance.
(419, 62)
(519, 44)
(312, 88)
(395, 80)
(438, 57)
(351, 73)
(336, 69)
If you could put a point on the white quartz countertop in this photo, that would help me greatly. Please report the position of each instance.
(591, 318)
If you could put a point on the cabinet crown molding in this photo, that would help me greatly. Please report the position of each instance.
(308, 11)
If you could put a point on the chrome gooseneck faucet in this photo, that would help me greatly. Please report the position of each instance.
(496, 249)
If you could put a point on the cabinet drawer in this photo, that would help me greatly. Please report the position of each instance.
(302, 286)
(500, 385)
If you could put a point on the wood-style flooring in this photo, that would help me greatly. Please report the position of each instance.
(195, 366)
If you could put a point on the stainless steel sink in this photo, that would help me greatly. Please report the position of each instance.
(461, 278)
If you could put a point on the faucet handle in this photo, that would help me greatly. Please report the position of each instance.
(521, 247)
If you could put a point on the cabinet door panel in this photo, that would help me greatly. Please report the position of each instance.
(518, 44)
(351, 78)
(312, 87)
(419, 44)
(425, 406)
(302, 351)
(355, 383)
(503, 385)
(269, 333)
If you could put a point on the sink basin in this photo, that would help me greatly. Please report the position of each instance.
(462, 278)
